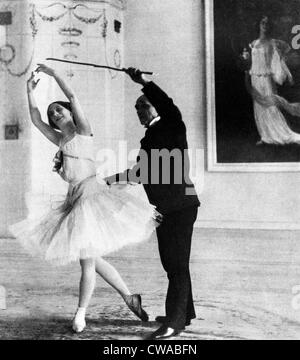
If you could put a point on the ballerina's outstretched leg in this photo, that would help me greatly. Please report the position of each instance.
(89, 267)
(113, 278)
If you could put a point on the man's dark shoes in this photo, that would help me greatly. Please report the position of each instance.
(163, 320)
(164, 332)
(134, 302)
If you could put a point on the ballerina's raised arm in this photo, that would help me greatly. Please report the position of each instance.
(51, 134)
(82, 125)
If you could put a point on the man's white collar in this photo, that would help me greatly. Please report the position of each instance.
(154, 121)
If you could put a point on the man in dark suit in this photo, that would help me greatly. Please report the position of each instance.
(163, 169)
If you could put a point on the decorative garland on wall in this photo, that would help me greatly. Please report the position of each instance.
(71, 11)
(21, 73)
(117, 58)
(70, 31)
(87, 20)
(50, 18)
(32, 20)
(3, 58)
(6, 62)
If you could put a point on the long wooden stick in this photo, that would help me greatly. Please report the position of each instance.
(96, 65)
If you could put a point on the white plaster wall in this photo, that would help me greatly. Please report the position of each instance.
(165, 37)
(14, 154)
(168, 37)
(26, 163)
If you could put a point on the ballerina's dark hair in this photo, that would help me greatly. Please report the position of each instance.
(64, 104)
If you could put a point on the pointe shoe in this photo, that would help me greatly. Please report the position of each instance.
(78, 325)
(134, 302)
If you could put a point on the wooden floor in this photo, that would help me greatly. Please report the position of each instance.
(242, 283)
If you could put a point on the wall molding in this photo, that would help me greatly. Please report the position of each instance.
(253, 225)
(119, 4)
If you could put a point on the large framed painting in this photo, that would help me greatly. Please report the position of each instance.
(253, 85)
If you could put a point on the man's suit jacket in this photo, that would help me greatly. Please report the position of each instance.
(166, 182)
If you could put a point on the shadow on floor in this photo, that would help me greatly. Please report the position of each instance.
(58, 328)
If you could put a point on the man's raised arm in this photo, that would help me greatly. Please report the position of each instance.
(163, 104)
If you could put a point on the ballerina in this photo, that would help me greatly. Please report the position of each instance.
(95, 219)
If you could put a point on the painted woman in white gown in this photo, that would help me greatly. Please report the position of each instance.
(268, 68)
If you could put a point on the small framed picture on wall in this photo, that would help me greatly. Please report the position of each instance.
(11, 132)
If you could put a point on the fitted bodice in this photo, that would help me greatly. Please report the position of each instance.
(261, 60)
(268, 61)
(78, 158)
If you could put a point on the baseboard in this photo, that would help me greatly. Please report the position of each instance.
(261, 225)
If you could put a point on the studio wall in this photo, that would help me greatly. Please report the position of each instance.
(168, 38)
(71, 30)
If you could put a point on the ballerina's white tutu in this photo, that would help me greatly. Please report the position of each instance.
(92, 221)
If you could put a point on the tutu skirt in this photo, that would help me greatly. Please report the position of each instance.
(93, 220)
